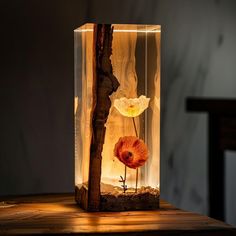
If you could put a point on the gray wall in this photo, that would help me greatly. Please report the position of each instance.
(36, 121)
(36, 95)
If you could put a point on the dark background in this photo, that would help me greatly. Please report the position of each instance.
(36, 90)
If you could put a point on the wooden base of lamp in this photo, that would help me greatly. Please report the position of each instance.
(113, 198)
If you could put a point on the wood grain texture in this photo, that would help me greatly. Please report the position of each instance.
(105, 83)
(59, 214)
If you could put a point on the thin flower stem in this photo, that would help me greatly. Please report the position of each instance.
(136, 132)
(125, 179)
(136, 184)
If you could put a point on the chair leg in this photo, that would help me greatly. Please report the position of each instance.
(216, 169)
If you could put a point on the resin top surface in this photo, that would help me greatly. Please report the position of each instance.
(124, 28)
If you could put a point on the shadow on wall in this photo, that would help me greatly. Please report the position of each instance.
(36, 89)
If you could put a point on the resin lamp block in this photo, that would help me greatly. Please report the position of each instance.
(117, 117)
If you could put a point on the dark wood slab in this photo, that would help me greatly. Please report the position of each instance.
(211, 105)
(59, 214)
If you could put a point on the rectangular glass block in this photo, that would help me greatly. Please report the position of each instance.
(131, 145)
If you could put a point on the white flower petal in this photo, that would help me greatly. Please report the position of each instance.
(131, 107)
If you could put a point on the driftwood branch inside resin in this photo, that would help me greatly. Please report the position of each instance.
(105, 83)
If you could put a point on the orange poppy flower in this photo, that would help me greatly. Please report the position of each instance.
(132, 151)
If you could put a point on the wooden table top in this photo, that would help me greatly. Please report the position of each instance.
(58, 214)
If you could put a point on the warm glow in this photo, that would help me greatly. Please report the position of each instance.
(126, 101)
(76, 100)
(131, 107)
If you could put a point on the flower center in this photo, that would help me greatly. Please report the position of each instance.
(127, 156)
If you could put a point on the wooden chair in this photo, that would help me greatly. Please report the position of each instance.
(221, 137)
